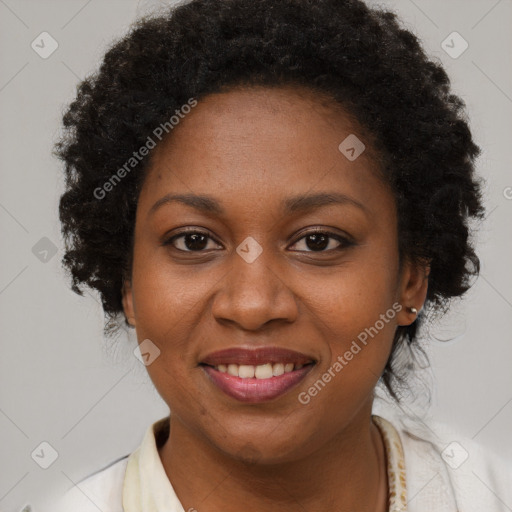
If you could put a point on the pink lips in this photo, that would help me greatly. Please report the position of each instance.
(252, 389)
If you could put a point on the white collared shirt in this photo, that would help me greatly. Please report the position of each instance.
(443, 473)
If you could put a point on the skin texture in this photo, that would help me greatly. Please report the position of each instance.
(251, 149)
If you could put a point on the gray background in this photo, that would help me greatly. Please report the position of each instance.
(61, 384)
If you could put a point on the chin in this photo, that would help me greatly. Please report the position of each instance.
(262, 447)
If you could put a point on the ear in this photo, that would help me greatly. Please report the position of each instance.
(128, 308)
(412, 290)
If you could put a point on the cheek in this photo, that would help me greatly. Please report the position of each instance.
(358, 335)
(170, 303)
(164, 306)
(355, 312)
(350, 298)
(166, 296)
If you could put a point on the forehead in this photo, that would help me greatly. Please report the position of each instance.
(260, 143)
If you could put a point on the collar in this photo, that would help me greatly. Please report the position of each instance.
(147, 487)
(397, 493)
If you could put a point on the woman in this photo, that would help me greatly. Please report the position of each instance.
(273, 195)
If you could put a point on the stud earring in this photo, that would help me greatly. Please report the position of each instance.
(413, 310)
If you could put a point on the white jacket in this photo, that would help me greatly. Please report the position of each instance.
(444, 473)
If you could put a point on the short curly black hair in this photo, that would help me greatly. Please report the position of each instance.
(361, 57)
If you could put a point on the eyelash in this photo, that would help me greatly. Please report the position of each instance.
(345, 242)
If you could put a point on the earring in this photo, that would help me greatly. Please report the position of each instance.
(413, 310)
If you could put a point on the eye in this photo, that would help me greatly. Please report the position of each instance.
(192, 241)
(319, 240)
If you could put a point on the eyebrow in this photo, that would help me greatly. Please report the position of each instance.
(300, 203)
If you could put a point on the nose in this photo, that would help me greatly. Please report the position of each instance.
(254, 294)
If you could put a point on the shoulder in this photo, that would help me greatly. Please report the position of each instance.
(452, 471)
(101, 490)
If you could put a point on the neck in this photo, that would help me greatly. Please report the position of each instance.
(347, 473)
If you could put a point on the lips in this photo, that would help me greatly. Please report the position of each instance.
(256, 375)
(256, 357)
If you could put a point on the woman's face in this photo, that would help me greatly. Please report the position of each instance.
(256, 276)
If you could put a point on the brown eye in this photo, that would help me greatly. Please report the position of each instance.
(189, 241)
(319, 241)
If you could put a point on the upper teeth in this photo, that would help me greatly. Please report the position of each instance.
(262, 371)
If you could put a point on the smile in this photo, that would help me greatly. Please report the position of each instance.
(256, 375)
